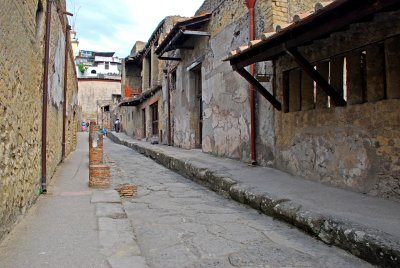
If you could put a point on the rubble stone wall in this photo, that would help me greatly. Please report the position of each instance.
(22, 31)
(357, 146)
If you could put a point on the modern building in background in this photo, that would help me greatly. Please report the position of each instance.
(99, 79)
(97, 64)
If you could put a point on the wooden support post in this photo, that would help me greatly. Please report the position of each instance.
(375, 73)
(392, 59)
(321, 95)
(307, 92)
(294, 90)
(336, 75)
(354, 78)
(285, 93)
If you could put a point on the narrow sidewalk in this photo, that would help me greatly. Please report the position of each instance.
(366, 226)
(61, 229)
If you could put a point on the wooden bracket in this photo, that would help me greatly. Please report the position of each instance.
(263, 91)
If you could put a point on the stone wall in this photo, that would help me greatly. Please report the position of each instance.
(22, 31)
(132, 117)
(93, 90)
(357, 146)
(225, 95)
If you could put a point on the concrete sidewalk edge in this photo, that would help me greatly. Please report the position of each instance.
(372, 245)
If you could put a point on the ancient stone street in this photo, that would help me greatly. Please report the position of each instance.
(178, 223)
(201, 133)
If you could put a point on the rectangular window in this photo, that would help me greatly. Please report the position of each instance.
(154, 118)
(173, 80)
(107, 65)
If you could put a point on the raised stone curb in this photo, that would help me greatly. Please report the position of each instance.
(372, 245)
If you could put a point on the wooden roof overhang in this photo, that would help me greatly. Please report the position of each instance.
(181, 32)
(334, 17)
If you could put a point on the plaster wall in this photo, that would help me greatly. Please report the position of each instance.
(225, 95)
(92, 90)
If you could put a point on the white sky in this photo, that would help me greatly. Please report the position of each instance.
(115, 25)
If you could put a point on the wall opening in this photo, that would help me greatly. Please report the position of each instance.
(197, 91)
(144, 122)
(39, 20)
(154, 118)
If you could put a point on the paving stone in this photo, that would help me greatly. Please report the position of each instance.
(127, 262)
(110, 210)
(105, 196)
(117, 237)
(179, 223)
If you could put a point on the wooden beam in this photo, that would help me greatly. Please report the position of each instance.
(167, 47)
(263, 91)
(198, 33)
(319, 25)
(169, 58)
(317, 77)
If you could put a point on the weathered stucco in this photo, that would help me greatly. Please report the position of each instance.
(22, 32)
(93, 90)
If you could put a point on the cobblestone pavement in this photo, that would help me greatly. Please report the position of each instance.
(178, 223)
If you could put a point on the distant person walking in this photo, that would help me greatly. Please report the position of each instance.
(117, 125)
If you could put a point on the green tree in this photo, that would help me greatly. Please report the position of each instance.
(82, 68)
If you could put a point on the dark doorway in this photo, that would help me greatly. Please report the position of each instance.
(144, 122)
(198, 90)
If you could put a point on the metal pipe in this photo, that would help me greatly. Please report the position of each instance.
(102, 117)
(45, 95)
(67, 29)
(169, 108)
(250, 5)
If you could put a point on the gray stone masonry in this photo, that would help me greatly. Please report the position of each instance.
(365, 226)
